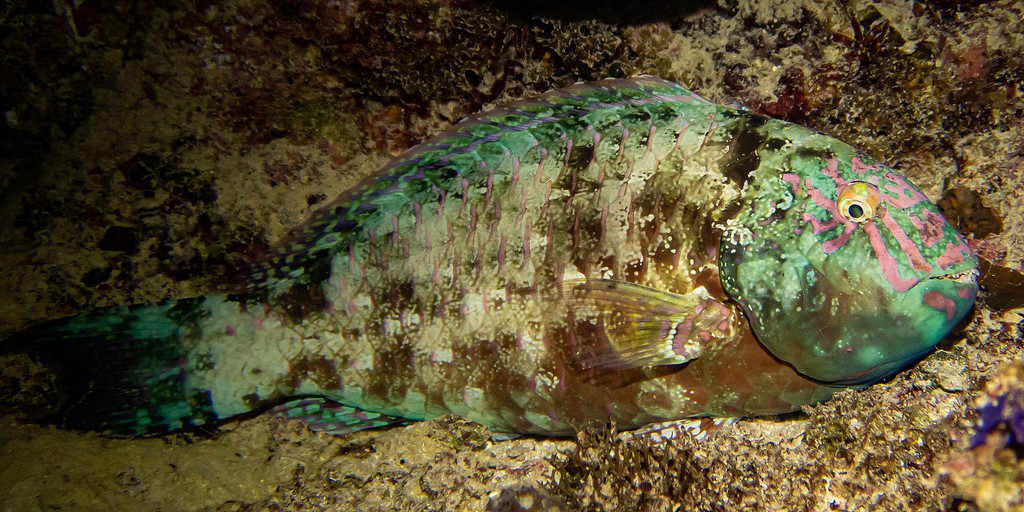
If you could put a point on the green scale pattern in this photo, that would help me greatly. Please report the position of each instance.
(618, 250)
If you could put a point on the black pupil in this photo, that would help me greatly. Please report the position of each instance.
(856, 211)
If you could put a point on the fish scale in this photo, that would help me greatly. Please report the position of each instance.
(620, 250)
(568, 181)
(458, 163)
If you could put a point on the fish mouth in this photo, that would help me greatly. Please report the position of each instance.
(955, 298)
(967, 277)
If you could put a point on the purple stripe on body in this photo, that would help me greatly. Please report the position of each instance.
(515, 170)
(438, 152)
(794, 182)
(436, 143)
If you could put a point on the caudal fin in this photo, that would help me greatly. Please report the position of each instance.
(120, 371)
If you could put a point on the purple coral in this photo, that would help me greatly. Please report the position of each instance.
(1001, 408)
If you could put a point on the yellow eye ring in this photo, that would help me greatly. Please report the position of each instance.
(858, 202)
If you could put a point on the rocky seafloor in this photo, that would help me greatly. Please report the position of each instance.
(147, 148)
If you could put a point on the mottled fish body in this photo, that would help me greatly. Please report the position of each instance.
(619, 250)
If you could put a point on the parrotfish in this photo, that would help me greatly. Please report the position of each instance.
(621, 250)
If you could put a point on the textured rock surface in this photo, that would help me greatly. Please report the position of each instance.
(147, 150)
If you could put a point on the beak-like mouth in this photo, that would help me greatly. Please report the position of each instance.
(954, 300)
(965, 277)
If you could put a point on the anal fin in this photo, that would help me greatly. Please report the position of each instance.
(330, 417)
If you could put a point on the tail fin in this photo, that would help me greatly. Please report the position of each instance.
(120, 371)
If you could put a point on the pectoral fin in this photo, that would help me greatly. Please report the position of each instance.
(647, 327)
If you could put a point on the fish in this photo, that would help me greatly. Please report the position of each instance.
(614, 251)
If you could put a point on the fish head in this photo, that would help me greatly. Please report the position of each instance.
(844, 268)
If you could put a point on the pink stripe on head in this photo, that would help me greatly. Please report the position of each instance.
(820, 199)
(906, 195)
(909, 247)
(857, 166)
(818, 226)
(929, 225)
(953, 255)
(832, 245)
(936, 300)
(832, 170)
(890, 267)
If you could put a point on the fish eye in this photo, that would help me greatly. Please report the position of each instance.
(858, 202)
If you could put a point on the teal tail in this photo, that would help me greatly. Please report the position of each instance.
(120, 371)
